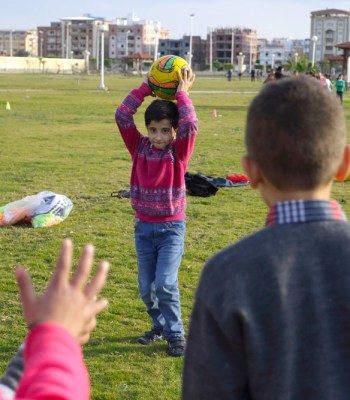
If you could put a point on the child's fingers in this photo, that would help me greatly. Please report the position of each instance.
(91, 321)
(26, 290)
(100, 305)
(81, 275)
(98, 281)
(63, 265)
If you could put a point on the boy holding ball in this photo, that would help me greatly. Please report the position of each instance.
(158, 197)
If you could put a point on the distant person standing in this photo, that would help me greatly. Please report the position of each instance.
(270, 76)
(279, 72)
(252, 75)
(340, 87)
(329, 82)
(229, 75)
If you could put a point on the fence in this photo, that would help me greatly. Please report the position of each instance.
(42, 65)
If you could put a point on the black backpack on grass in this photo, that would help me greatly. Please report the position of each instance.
(199, 185)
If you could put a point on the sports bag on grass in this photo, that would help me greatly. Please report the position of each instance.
(199, 185)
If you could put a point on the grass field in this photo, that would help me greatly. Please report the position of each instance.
(60, 135)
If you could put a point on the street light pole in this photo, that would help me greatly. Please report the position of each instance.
(102, 28)
(41, 43)
(67, 40)
(211, 50)
(11, 42)
(87, 55)
(232, 47)
(240, 58)
(314, 40)
(250, 52)
(191, 28)
(126, 49)
(157, 31)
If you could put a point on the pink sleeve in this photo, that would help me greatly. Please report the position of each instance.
(124, 116)
(54, 366)
(188, 125)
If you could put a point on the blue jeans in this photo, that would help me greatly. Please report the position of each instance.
(159, 248)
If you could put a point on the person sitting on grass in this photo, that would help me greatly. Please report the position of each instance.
(59, 321)
(271, 316)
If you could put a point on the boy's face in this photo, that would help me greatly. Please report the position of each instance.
(160, 133)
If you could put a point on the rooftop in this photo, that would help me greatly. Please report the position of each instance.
(330, 11)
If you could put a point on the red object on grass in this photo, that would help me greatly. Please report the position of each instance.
(237, 178)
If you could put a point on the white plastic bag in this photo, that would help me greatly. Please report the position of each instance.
(41, 210)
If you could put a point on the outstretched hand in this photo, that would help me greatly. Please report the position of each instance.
(69, 303)
(186, 79)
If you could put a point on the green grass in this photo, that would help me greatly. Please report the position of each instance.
(60, 135)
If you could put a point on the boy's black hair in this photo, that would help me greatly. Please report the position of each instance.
(162, 109)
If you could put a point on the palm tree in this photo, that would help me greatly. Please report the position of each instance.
(303, 64)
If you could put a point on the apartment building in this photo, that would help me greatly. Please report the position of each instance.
(226, 44)
(273, 54)
(31, 43)
(328, 28)
(49, 40)
(130, 35)
(71, 37)
(12, 42)
(181, 47)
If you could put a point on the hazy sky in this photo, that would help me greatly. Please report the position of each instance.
(271, 18)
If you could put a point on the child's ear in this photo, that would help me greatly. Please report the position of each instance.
(252, 170)
(344, 168)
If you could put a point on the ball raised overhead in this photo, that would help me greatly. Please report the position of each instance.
(163, 78)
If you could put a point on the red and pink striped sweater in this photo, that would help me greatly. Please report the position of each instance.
(157, 183)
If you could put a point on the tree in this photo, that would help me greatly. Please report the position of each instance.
(303, 64)
(217, 65)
